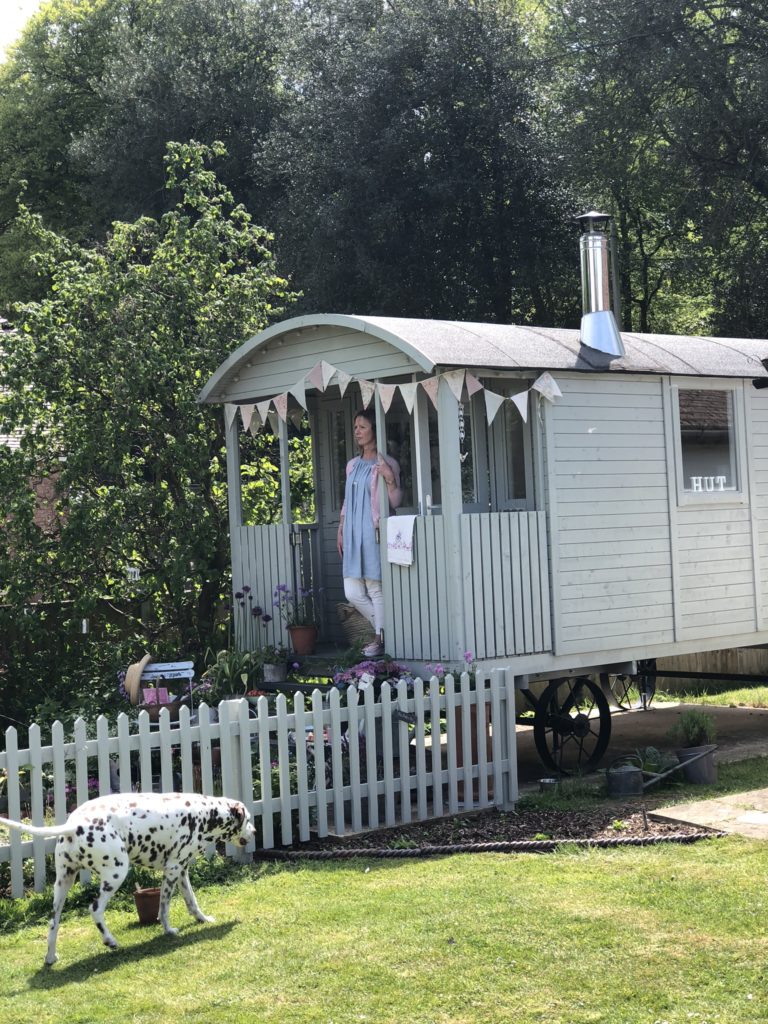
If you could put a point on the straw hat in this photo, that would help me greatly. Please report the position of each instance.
(133, 677)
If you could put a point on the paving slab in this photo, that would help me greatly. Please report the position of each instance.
(745, 814)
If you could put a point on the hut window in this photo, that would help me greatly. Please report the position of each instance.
(709, 465)
(510, 454)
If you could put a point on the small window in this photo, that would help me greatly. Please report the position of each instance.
(707, 443)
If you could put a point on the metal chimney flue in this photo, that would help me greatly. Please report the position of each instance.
(598, 324)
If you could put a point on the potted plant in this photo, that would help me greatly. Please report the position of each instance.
(230, 672)
(298, 612)
(695, 732)
(274, 663)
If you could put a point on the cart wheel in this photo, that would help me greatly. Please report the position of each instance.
(572, 725)
(618, 690)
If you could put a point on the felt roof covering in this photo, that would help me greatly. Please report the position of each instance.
(436, 344)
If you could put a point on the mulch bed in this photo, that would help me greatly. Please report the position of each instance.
(605, 822)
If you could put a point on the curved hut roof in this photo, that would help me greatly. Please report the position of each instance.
(427, 345)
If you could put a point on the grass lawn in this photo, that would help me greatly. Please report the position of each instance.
(671, 934)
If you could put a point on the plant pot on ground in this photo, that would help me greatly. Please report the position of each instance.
(303, 639)
(694, 733)
(147, 904)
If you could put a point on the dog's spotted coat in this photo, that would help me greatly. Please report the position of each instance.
(157, 830)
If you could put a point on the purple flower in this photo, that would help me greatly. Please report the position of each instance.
(266, 618)
(239, 595)
(246, 590)
(469, 657)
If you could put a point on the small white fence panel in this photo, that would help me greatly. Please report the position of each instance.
(310, 767)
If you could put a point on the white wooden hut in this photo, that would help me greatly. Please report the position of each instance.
(612, 510)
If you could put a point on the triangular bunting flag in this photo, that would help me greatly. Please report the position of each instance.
(299, 392)
(386, 394)
(343, 380)
(546, 385)
(263, 409)
(296, 416)
(326, 373)
(430, 385)
(315, 377)
(246, 411)
(274, 423)
(493, 403)
(256, 422)
(408, 391)
(455, 381)
(473, 384)
(281, 405)
(521, 401)
(230, 411)
(366, 392)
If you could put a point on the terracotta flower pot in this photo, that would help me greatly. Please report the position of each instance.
(303, 639)
(147, 905)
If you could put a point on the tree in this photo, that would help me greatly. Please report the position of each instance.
(95, 90)
(101, 378)
(666, 106)
(414, 177)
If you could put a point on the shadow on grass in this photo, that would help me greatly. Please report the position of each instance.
(109, 960)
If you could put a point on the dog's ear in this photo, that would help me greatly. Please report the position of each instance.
(238, 812)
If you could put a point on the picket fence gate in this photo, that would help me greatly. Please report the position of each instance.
(439, 749)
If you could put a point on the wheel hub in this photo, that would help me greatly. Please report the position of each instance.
(571, 725)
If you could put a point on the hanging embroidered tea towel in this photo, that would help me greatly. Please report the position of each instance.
(400, 539)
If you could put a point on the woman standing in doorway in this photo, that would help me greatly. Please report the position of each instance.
(356, 540)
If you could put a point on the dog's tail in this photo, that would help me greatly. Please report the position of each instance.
(47, 831)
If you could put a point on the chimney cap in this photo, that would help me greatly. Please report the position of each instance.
(593, 220)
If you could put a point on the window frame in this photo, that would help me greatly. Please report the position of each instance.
(703, 499)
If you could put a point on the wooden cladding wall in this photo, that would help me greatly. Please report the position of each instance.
(261, 559)
(504, 582)
(608, 476)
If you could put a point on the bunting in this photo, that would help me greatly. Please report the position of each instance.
(431, 385)
(230, 411)
(255, 416)
(343, 380)
(493, 403)
(455, 381)
(367, 389)
(386, 394)
(246, 413)
(408, 391)
(521, 401)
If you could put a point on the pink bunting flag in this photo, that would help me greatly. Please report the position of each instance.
(367, 389)
(315, 377)
(326, 372)
(455, 381)
(263, 409)
(281, 405)
(246, 412)
(386, 394)
(408, 391)
(431, 385)
(521, 401)
(493, 403)
(473, 384)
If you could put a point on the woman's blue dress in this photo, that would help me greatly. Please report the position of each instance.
(362, 557)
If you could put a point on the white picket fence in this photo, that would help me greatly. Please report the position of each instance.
(406, 756)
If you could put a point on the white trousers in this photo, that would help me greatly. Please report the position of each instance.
(368, 597)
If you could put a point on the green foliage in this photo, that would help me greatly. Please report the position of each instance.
(694, 728)
(101, 380)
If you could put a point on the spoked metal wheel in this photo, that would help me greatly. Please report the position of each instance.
(625, 692)
(572, 725)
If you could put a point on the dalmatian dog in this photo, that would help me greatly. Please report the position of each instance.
(156, 830)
